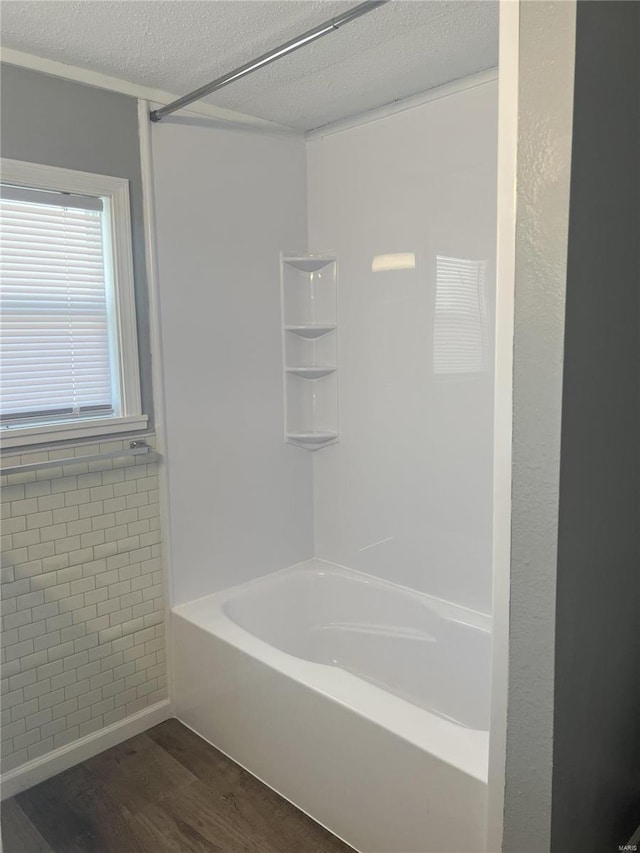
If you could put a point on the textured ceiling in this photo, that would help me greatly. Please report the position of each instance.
(401, 49)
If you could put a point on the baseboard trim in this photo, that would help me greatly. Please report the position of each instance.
(54, 762)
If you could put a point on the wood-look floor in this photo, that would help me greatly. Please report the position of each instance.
(164, 790)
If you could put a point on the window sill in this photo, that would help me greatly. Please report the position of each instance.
(47, 433)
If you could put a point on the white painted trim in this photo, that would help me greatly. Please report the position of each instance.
(135, 90)
(48, 433)
(61, 180)
(119, 260)
(126, 335)
(55, 762)
(157, 362)
(444, 91)
(503, 412)
(159, 97)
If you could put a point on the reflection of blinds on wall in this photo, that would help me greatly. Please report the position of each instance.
(459, 330)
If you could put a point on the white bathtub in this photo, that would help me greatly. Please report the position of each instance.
(363, 703)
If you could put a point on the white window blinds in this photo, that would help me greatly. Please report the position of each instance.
(55, 342)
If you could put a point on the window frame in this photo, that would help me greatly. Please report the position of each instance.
(119, 267)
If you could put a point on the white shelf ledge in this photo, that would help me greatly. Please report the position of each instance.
(312, 438)
(311, 372)
(311, 332)
(308, 264)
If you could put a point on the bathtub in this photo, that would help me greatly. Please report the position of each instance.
(363, 703)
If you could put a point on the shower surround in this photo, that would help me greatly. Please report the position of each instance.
(356, 682)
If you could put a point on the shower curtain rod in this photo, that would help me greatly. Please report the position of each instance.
(266, 58)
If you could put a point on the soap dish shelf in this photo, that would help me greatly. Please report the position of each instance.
(310, 331)
(312, 439)
(313, 372)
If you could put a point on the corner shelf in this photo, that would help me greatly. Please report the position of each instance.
(310, 331)
(312, 372)
(309, 349)
(308, 263)
(313, 439)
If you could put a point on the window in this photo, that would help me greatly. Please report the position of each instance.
(68, 348)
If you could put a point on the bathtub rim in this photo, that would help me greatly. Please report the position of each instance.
(449, 609)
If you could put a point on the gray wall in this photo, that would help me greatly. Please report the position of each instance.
(596, 770)
(61, 123)
(544, 153)
(573, 731)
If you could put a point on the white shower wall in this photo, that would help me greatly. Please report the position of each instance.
(227, 201)
(406, 494)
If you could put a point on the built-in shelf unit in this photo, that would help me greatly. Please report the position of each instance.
(310, 349)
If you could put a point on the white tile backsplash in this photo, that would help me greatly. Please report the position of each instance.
(82, 599)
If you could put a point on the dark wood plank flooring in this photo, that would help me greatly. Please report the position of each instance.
(164, 790)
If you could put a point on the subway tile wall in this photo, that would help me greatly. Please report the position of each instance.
(82, 598)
